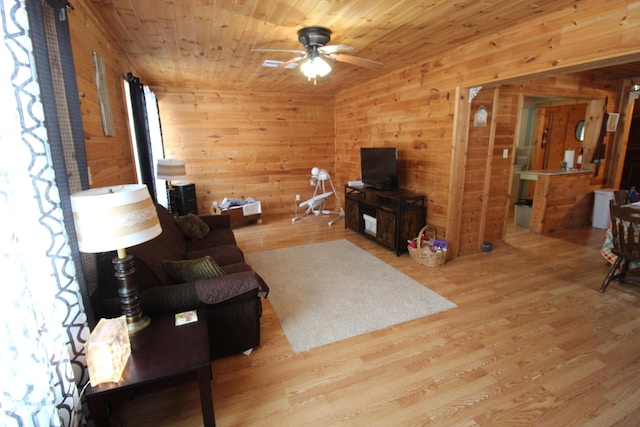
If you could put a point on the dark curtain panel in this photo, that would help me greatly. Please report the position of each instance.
(53, 138)
(143, 138)
(63, 118)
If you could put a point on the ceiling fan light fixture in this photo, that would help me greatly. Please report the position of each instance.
(315, 59)
(315, 67)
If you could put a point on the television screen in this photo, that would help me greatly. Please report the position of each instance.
(379, 167)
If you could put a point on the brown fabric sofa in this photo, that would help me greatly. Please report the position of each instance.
(230, 303)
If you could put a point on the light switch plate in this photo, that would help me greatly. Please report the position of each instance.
(505, 153)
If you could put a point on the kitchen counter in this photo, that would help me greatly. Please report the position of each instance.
(562, 199)
(533, 175)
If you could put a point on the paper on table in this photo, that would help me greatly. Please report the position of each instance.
(186, 317)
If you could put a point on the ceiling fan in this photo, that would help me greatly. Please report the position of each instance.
(312, 59)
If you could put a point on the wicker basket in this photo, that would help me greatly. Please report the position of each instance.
(421, 254)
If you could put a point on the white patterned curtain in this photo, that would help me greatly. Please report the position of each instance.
(44, 325)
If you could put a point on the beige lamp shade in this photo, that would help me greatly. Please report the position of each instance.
(115, 217)
(171, 169)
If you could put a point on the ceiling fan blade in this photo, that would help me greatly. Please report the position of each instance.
(258, 49)
(354, 60)
(281, 66)
(334, 48)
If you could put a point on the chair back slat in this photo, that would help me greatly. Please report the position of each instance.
(620, 197)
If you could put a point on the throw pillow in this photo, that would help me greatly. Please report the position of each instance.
(192, 226)
(189, 270)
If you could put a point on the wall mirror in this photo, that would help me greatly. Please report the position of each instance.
(580, 131)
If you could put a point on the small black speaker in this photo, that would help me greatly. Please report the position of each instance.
(186, 199)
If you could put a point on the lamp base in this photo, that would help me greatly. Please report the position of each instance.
(136, 325)
(128, 291)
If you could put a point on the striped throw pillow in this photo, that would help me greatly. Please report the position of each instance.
(189, 270)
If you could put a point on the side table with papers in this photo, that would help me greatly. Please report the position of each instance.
(162, 351)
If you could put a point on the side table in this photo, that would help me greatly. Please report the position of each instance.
(162, 351)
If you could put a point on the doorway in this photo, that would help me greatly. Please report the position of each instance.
(557, 131)
(631, 169)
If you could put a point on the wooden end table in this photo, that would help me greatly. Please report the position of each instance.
(162, 351)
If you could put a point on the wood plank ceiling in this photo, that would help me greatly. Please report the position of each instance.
(207, 43)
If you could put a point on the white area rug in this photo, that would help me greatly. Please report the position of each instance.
(327, 292)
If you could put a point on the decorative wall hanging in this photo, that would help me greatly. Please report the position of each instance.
(473, 92)
(103, 96)
(480, 117)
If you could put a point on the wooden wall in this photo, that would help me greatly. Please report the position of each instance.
(477, 173)
(413, 108)
(110, 158)
(419, 121)
(508, 116)
(406, 112)
(260, 145)
(264, 144)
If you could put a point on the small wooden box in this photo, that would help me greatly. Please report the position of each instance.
(238, 217)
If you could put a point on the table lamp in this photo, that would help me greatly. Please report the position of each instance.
(171, 170)
(117, 217)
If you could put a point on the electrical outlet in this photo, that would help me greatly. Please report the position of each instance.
(297, 197)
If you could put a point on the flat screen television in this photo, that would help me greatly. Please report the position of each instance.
(379, 167)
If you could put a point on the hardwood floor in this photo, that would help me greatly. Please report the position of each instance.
(532, 342)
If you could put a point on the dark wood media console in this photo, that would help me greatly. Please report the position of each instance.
(398, 215)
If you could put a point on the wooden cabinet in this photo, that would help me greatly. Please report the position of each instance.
(388, 217)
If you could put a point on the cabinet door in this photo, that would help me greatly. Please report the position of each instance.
(412, 220)
(352, 214)
(386, 228)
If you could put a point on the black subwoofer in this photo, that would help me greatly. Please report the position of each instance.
(186, 202)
